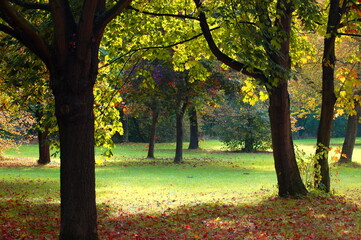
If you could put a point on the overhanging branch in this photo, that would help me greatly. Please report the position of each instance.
(349, 34)
(27, 5)
(164, 14)
(232, 63)
(155, 47)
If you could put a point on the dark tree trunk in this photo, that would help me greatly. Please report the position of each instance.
(288, 175)
(74, 101)
(44, 147)
(153, 129)
(138, 130)
(289, 179)
(125, 136)
(179, 134)
(322, 172)
(350, 137)
(193, 120)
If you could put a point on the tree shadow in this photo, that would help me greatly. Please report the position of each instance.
(308, 218)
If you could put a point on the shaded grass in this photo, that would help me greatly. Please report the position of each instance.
(212, 195)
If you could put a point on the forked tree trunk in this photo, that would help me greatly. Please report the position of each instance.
(44, 147)
(350, 137)
(153, 130)
(288, 175)
(193, 120)
(74, 101)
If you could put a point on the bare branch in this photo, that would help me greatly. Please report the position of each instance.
(349, 34)
(27, 5)
(164, 14)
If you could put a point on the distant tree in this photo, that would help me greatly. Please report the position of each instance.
(350, 135)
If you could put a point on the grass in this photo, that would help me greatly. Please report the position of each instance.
(213, 195)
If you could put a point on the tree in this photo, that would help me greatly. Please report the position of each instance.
(336, 12)
(193, 128)
(67, 41)
(350, 136)
(270, 30)
(22, 69)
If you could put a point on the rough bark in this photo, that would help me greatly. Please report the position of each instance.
(72, 83)
(153, 130)
(74, 111)
(350, 136)
(322, 172)
(193, 120)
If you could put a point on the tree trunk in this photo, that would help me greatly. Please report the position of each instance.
(44, 147)
(74, 102)
(179, 138)
(124, 117)
(350, 137)
(289, 179)
(153, 129)
(322, 172)
(288, 175)
(193, 120)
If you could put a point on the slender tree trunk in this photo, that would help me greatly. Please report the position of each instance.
(193, 119)
(288, 175)
(124, 117)
(74, 102)
(153, 129)
(179, 133)
(350, 137)
(322, 172)
(44, 147)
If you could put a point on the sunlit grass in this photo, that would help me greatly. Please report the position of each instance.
(212, 189)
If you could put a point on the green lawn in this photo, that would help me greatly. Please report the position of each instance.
(213, 195)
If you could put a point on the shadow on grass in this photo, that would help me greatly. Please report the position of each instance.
(309, 218)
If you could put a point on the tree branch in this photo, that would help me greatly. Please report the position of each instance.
(349, 34)
(163, 14)
(102, 21)
(155, 47)
(27, 5)
(232, 63)
(25, 32)
(64, 26)
(8, 30)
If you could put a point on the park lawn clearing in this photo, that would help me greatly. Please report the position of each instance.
(212, 195)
